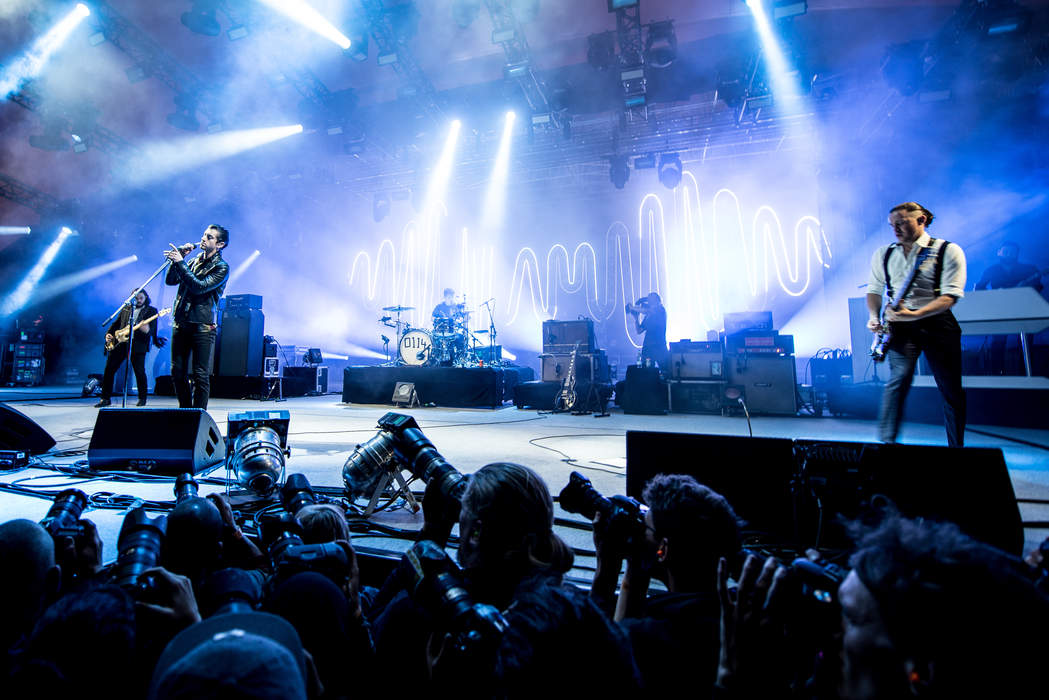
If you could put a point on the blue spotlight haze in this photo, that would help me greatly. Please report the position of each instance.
(17, 300)
(61, 285)
(303, 13)
(495, 194)
(161, 159)
(31, 63)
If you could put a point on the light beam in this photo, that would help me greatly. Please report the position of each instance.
(495, 194)
(301, 12)
(242, 268)
(15, 230)
(18, 299)
(32, 62)
(52, 288)
(161, 159)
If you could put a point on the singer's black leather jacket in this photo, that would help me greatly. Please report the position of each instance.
(200, 284)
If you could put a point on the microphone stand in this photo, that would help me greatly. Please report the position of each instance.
(491, 332)
(130, 302)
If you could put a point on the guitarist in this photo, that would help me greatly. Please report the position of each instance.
(920, 320)
(144, 336)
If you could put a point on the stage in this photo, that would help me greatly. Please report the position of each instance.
(456, 387)
(324, 431)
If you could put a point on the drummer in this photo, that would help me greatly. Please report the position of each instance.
(447, 308)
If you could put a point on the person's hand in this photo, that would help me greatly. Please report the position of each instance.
(161, 341)
(109, 338)
(172, 597)
(440, 514)
(174, 255)
(80, 557)
(237, 548)
(750, 625)
(901, 314)
(873, 325)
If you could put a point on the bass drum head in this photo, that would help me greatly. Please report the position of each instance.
(414, 348)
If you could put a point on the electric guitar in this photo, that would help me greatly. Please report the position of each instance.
(882, 336)
(122, 333)
(566, 400)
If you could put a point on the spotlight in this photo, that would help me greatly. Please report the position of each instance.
(237, 32)
(385, 59)
(380, 206)
(661, 44)
(201, 18)
(618, 171)
(601, 50)
(183, 117)
(313, 357)
(96, 38)
(358, 50)
(670, 170)
(15, 230)
(79, 145)
(256, 445)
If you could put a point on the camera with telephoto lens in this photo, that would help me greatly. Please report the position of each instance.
(139, 544)
(186, 487)
(291, 556)
(622, 517)
(435, 583)
(297, 493)
(400, 444)
(63, 517)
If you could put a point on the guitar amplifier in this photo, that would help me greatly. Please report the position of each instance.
(738, 321)
(563, 336)
(768, 382)
(243, 301)
(589, 366)
(697, 360)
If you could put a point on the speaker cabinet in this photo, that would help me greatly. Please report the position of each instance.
(588, 366)
(768, 381)
(239, 346)
(20, 432)
(643, 391)
(166, 441)
(563, 336)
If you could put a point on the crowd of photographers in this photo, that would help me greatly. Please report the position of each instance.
(194, 608)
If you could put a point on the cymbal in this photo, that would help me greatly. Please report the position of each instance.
(484, 331)
(398, 309)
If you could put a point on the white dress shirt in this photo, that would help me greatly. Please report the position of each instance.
(952, 277)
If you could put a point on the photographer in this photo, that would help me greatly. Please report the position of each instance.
(687, 529)
(31, 580)
(925, 611)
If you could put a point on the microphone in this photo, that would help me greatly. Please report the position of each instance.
(186, 247)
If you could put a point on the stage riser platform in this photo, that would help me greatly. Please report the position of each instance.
(473, 387)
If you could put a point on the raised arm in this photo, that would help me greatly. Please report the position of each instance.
(214, 279)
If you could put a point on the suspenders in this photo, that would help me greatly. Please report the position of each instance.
(937, 274)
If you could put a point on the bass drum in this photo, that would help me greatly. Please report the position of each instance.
(415, 348)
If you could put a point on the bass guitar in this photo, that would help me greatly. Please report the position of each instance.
(122, 333)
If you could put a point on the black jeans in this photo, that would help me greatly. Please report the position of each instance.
(939, 337)
(114, 360)
(198, 340)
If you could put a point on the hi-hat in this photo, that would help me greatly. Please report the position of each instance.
(398, 309)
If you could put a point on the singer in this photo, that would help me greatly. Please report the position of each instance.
(200, 284)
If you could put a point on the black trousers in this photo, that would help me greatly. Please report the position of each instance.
(114, 360)
(196, 340)
(939, 337)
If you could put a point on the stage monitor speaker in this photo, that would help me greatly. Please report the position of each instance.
(166, 441)
(768, 381)
(643, 391)
(20, 432)
(239, 346)
(754, 474)
(967, 486)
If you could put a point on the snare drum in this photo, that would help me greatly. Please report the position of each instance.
(415, 347)
(443, 326)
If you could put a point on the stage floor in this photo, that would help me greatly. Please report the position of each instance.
(324, 431)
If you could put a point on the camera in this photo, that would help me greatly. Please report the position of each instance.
(63, 517)
(622, 517)
(186, 487)
(400, 444)
(436, 584)
(297, 493)
(139, 544)
(290, 556)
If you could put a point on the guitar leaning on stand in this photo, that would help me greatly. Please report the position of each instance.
(566, 399)
(122, 334)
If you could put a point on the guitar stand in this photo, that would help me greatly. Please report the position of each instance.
(392, 475)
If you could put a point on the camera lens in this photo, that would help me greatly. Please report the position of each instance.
(297, 493)
(63, 517)
(139, 544)
(580, 496)
(186, 487)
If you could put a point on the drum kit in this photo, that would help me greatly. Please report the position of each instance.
(449, 343)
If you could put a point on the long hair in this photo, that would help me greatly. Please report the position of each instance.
(517, 517)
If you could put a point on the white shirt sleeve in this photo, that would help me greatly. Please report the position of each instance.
(952, 279)
(876, 283)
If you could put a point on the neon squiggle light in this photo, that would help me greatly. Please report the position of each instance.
(675, 253)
